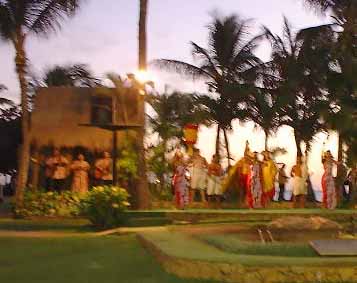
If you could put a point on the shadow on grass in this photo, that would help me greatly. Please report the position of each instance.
(56, 224)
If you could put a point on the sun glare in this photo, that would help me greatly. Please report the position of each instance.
(143, 76)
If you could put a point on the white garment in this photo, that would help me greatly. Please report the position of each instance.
(214, 185)
(198, 178)
(299, 186)
(59, 166)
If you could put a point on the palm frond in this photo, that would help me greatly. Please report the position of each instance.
(321, 5)
(5, 101)
(202, 53)
(45, 15)
(77, 75)
(7, 25)
(289, 36)
(181, 68)
(2, 87)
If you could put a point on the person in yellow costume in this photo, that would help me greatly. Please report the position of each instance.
(239, 174)
(269, 170)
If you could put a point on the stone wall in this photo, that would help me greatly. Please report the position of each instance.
(238, 273)
(60, 111)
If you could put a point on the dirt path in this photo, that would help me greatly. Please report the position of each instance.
(40, 234)
(63, 234)
(214, 229)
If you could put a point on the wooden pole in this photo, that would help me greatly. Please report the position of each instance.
(115, 158)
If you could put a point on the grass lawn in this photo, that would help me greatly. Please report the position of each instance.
(179, 245)
(233, 244)
(46, 224)
(85, 259)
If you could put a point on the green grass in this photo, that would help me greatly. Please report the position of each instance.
(47, 224)
(182, 246)
(232, 244)
(77, 260)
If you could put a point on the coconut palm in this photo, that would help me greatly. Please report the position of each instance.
(219, 112)
(142, 35)
(76, 75)
(342, 10)
(264, 110)
(20, 19)
(143, 189)
(228, 66)
(173, 112)
(342, 82)
(299, 61)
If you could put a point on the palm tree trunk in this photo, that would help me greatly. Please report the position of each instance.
(340, 168)
(142, 35)
(340, 148)
(218, 142)
(227, 147)
(24, 156)
(298, 144)
(266, 140)
(142, 188)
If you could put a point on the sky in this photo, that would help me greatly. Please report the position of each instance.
(103, 35)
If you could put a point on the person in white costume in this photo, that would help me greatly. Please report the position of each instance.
(198, 173)
(299, 173)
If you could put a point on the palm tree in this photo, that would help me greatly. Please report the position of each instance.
(264, 110)
(342, 10)
(173, 112)
(219, 112)
(76, 75)
(142, 189)
(228, 66)
(18, 20)
(142, 35)
(342, 83)
(299, 61)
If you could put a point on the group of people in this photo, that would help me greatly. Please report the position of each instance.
(195, 174)
(58, 168)
(255, 175)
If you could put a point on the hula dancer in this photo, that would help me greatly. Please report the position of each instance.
(269, 171)
(328, 182)
(255, 189)
(214, 184)
(180, 182)
(299, 183)
(198, 175)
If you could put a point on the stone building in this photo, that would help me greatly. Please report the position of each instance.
(70, 117)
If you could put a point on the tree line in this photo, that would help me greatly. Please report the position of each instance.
(309, 83)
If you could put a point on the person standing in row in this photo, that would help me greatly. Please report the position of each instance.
(269, 171)
(244, 174)
(214, 184)
(255, 191)
(282, 179)
(103, 170)
(328, 183)
(80, 169)
(56, 171)
(299, 183)
(180, 181)
(198, 175)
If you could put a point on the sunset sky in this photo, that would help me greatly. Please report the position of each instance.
(104, 36)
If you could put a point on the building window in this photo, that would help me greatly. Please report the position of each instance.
(102, 110)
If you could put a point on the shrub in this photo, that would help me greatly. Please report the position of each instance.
(104, 206)
(40, 203)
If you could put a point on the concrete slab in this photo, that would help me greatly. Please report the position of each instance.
(345, 247)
